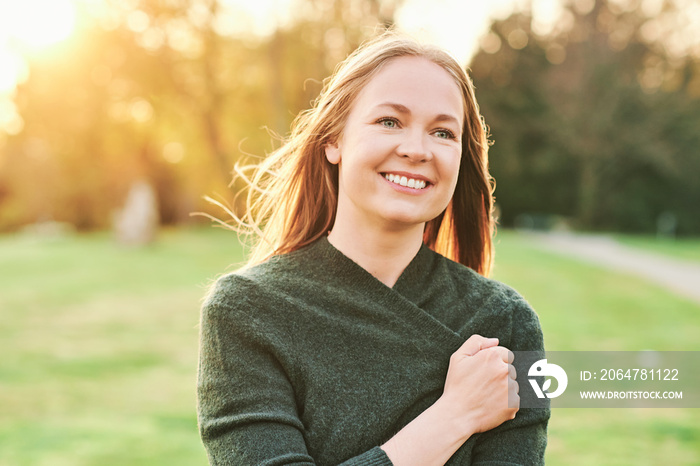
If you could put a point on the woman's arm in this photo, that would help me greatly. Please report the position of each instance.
(524, 439)
(247, 406)
(247, 411)
(480, 381)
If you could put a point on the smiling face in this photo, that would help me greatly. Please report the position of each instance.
(399, 153)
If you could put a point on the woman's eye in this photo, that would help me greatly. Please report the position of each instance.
(389, 122)
(444, 134)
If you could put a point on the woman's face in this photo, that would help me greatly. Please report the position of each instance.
(399, 153)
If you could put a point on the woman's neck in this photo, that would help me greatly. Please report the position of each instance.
(384, 254)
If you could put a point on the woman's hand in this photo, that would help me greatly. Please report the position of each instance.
(479, 381)
(480, 389)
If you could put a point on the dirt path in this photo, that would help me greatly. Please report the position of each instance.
(681, 277)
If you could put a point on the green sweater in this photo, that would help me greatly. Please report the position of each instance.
(309, 359)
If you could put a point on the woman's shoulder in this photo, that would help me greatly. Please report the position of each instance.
(499, 302)
(231, 290)
(259, 282)
(477, 287)
(242, 285)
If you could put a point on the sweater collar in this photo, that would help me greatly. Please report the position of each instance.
(406, 299)
(409, 283)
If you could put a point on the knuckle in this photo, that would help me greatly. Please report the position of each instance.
(491, 354)
(472, 340)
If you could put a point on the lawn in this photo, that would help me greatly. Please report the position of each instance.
(99, 348)
(680, 248)
(585, 308)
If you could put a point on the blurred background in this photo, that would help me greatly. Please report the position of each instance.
(118, 117)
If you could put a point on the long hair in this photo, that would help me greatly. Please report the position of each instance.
(292, 194)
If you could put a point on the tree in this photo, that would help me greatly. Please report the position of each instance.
(157, 90)
(581, 118)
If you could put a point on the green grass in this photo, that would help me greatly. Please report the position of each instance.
(585, 308)
(99, 348)
(680, 248)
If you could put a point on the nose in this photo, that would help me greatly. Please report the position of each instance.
(414, 147)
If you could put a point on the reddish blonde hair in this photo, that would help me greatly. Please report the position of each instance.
(292, 195)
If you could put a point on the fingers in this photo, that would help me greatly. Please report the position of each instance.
(513, 397)
(508, 355)
(504, 354)
(513, 390)
(480, 378)
(476, 343)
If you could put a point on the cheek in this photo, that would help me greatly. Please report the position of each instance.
(451, 177)
(451, 166)
(360, 155)
(352, 170)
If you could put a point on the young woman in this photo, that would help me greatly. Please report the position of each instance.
(357, 332)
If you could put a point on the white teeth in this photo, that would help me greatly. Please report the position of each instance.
(404, 181)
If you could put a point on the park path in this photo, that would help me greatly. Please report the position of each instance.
(681, 277)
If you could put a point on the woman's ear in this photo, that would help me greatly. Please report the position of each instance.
(333, 153)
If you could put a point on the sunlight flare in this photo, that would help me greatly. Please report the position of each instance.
(37, 23)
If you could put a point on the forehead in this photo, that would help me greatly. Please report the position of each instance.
(417, 83)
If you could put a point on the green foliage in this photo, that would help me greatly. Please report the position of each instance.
(176, 104)
(99, 349)
(594, 121)
(580, 128)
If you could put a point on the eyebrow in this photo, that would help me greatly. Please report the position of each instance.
(405, 110)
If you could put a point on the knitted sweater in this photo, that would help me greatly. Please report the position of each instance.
(309, 359)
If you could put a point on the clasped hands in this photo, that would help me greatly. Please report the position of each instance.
(480, 388)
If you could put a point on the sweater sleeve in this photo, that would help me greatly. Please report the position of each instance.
(247, 411)
(521, 441)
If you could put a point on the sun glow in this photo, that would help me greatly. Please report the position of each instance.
(30, 26)
(37, 23)
(460, 30)
(27, 27)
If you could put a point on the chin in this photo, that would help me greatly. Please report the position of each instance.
(408, 219)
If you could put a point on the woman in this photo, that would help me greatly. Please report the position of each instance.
(354, 335)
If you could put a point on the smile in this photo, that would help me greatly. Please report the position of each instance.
(404, 181)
